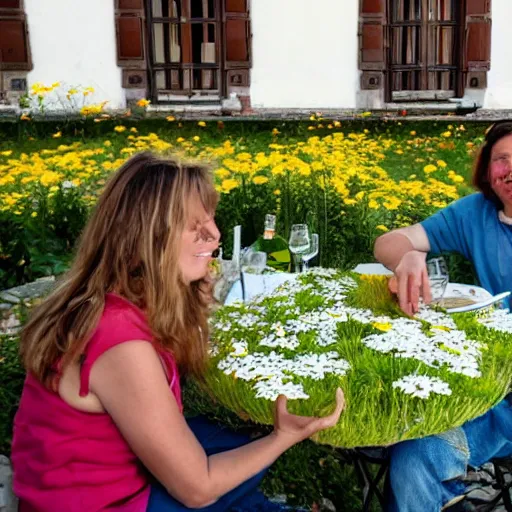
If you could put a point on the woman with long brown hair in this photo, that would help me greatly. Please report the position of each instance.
(425, 474)
(101, 407)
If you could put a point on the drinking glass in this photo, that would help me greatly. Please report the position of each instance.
(254, 262)
(299, 243)
(314, 251)
(438, 277)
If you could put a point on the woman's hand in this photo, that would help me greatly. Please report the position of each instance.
(411, 282)
(292, 428)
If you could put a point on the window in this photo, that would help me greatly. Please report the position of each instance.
(14, 44)
(424, 49)
(188, 49)
(185, 46)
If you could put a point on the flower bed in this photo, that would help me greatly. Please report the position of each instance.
(348, 182)
(403, 378)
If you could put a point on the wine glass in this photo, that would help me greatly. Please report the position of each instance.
(299, 243)
(314, 251)
(438, 277)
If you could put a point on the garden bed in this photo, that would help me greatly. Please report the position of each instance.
(349, 181)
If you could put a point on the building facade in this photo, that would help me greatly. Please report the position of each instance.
(262, 54)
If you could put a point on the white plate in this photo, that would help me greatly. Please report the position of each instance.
(466, 291)
(495, 300)
(482, 298)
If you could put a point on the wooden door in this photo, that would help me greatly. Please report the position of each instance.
(185, 42)
(425, 54)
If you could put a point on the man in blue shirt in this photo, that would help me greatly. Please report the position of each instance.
(475, 228)
(425, 473)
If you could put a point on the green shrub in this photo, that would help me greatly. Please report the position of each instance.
(12, 376)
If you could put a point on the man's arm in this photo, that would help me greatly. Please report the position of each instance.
(391, 247)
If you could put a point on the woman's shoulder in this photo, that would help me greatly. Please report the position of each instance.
(121, 320)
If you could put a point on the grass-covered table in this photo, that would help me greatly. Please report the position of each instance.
(403, 378)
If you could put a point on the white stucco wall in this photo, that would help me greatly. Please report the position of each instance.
(499, 85)
(74, 42)
(304, 53)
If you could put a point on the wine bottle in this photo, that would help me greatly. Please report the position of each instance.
(275, 246)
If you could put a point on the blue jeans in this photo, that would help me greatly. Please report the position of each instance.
(424, 473)
(214, 439)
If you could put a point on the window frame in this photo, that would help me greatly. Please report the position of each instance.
(423, 65)
(185, 21)
(474, 40)
(18, 14)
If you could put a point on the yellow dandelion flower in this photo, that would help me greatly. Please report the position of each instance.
(170, 118)
(196, 138)
(429, 168)
(392, 203)
(50, 178)
(277, 192)
(143, 103)
(120, 129)
(381, 326)
(228, 185)
(260, 180)
(222, 173)
(202, 124)
(57, 135)
(442, 164)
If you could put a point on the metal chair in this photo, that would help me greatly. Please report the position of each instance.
(488, 488)
(502, 467)
(370, 480)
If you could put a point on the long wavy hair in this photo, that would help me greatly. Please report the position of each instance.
(130, 246)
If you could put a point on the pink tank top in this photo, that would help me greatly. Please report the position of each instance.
(67, 460)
